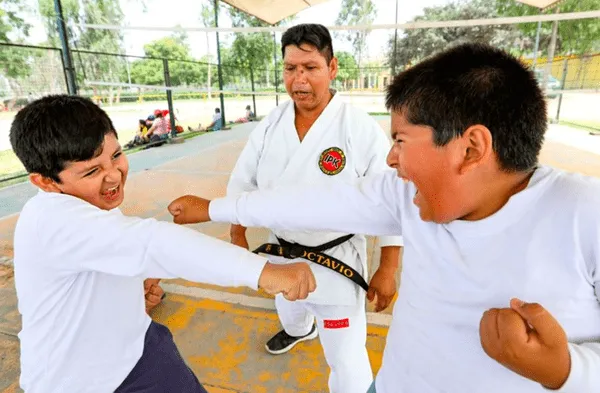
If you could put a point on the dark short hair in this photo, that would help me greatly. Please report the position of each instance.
(217, 110)
(311, 34)
(475, 84)
(55, 130)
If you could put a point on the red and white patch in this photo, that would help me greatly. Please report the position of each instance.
(332, 161)
(336, 323)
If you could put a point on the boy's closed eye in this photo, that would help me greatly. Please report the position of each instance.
(90, 173)
(94, 170)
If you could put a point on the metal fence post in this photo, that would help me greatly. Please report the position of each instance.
(220, 71)
(66, 52)
(169, 97)
(253, 95)
(562, 87)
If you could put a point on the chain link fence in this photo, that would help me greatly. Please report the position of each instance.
(130, 88)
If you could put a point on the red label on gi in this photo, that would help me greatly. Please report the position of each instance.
(336, 323)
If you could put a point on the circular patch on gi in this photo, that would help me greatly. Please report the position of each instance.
(332, 161)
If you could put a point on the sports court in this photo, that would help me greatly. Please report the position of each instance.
(221, 331)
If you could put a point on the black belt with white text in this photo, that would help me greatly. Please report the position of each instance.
(289, 250)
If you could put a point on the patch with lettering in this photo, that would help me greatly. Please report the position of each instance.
(336, 323)
(332, 161)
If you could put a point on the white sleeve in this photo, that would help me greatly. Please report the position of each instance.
(371, 206)
(243, 176)
(585, 357)
(80, 237)
(585, 369)
(375, 161)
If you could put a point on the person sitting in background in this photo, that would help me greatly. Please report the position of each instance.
(217, 122)
(159, 130)
(140, 136)
(216, 125)
(248, 117)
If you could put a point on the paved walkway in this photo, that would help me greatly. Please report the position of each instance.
(220, 331)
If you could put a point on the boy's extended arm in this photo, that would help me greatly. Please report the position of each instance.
(79, 237)
(370, 207)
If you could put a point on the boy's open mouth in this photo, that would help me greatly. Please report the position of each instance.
(416, 197)
(112, 193)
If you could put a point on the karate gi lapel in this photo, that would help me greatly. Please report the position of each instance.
(309, 150)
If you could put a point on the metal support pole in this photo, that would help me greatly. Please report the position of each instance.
(562, 87)
(169, 97)
(537, 44)
(551, 52)
(275, 68)
(66, 52)
(220, 69)
(253, 95)
(395, 44)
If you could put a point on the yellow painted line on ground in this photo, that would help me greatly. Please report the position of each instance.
(227, 348)
(251, 301)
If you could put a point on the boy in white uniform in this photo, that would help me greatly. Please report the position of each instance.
(80, 263)
(484, 225)
(312, 139)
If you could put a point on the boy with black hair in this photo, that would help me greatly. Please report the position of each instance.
(80, 263)
(484, 225)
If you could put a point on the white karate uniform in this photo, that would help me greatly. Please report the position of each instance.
(542, 246)
(79, 274)
(273, 158)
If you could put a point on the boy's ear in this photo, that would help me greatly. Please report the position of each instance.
(44, 183)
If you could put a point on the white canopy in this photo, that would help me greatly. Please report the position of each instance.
(272, 11)
(541, 4)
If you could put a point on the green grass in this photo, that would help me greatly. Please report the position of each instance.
(9, 164)
(379, 113)
(593, 126)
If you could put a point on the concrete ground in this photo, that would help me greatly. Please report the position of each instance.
(221, 331)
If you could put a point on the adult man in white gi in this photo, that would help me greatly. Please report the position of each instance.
(311, 139)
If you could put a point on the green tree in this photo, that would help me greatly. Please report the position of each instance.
(91, 67)
(417, 44)
(249, 49)
(357, 12)
(207, 18)
(254, 50)
(183, 70)
(347, 68)
(11, 20)
(581, 36)
(15, 63)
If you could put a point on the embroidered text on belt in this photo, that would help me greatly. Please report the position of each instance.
(289, 250)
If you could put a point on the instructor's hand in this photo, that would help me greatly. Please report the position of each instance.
(240, 241)
(527, 339)
(383, 287)
(294, 280)
(189, 209)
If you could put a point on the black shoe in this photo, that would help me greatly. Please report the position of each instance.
(283, 342)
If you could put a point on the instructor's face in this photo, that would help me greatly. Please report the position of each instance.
(307, 76)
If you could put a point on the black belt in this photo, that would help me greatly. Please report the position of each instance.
(289, 250)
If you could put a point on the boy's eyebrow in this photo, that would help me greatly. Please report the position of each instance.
(89, 168)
